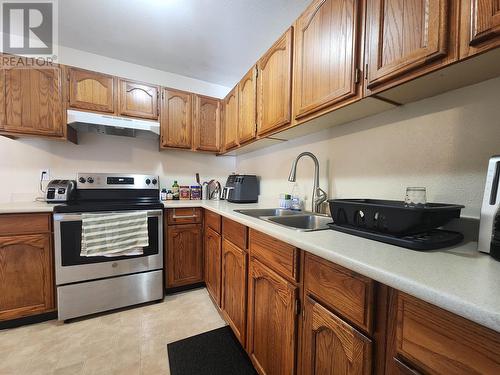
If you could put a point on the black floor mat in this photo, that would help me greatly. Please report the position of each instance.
(216, 352)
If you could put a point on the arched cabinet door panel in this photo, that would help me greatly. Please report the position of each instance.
(91, 91)
(407, 38)
(231, 119)
(327, 41)
(207, 123)
(176, 119)
(274, 85)
(332, 346)
(234, 288)
(272, 320)
(26, 275)
(138, 100)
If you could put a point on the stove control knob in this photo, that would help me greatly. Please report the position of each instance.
(148, 181)
(155, 181)
(90, 180)
(82, 180)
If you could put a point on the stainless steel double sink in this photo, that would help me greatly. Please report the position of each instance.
(301, 221)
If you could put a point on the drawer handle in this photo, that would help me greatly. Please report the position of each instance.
(192, 216)
(184, 216)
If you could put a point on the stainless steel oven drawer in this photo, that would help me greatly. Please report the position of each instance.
(91, 297)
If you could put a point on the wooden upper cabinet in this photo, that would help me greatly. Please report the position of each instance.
(326, 56)
(479, 27)
(331, 346)
(31, 101)
(91, 91)
(176, 119)
(138, 99)
(406, 35)
(272, 321)
(274, 85)
(26, 276)
(247, 107)
(207, 123)
(231, 119)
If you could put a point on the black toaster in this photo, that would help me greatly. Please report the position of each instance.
(242, 188)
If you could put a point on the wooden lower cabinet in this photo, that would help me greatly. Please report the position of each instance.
(331, 346)
(234, 288)
(423, 338)
(184, 260)
(26, 275)
(272, 320)
(213, 253)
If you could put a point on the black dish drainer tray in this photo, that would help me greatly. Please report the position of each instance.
(391, 217)
(430, 240)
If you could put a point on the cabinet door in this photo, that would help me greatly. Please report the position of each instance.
(234, 288)
(331, 346)
(91, 91)
(31, 101)
(404, 35)
(231, 119)
(272, 320)
(326, 55)
(422, 338)
(138, 100)
(184, 255)
(213, 263)
(480, 26)
(247, 107)
(176, 124)
(274, 85)
(207, 123)
(26, 276)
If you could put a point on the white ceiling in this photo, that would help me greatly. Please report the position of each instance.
(212, 40)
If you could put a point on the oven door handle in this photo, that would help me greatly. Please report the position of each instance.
(78, 216)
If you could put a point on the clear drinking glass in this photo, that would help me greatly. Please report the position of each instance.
(415, 196)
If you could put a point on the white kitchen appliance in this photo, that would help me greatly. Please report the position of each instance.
(489, 229)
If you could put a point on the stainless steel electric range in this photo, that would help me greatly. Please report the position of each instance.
(87, 285)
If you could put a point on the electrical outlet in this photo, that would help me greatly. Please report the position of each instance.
(45, 174)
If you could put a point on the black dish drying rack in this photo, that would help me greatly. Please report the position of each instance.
(413, 227)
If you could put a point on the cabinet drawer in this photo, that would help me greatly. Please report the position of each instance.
(187, 215)
(213, 220)
(436, 341)
(24, 223)
(234, 232)
(347, 293)
(280, 256)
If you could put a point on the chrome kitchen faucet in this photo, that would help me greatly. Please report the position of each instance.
(318, 195)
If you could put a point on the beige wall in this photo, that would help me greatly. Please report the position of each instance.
(442, 143)
(21, 161)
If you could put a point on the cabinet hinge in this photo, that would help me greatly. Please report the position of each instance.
(297, 307)
(357, 75)
(256, 72)
(366, 71)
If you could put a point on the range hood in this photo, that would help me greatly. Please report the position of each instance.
(112, 125)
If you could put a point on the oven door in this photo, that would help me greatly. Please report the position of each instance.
(71, 267)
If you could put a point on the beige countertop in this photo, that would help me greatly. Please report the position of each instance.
(458, 279)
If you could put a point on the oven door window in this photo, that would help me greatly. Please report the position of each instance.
(71, 244)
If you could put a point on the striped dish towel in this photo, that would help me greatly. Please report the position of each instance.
(114, 234)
